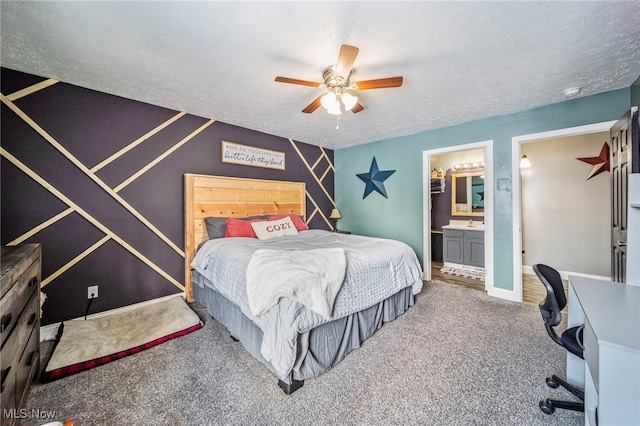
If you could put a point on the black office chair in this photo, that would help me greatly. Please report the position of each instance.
(571, 339)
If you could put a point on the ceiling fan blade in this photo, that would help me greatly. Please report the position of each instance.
(357, 108)
(296, 81)
(346, 58)
(313, 105)
(379, 83)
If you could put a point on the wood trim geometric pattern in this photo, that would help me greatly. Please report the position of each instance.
(73, 261)
(137, 142)
(87, 216)
(31, 89)
(96, 178)
(33, 231)
(319, 179)
(91, 174)
(161, 157)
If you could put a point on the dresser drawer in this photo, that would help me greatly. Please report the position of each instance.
(8, 366)
(20, 347)
(8, 393)
(15, 300)
(20, 326)
(28, 322)
(27, 367)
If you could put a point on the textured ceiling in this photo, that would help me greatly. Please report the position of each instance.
(461, 61)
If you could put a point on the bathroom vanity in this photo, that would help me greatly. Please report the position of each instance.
(463, 244)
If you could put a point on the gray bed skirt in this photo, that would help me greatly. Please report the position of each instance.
(320, 348)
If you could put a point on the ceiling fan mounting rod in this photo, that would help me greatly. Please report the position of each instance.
(333, 81)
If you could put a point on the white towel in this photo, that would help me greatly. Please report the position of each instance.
(312, 277)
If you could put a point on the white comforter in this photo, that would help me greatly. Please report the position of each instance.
(377, 268)
(311, 277)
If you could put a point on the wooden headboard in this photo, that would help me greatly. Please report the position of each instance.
(220, 196)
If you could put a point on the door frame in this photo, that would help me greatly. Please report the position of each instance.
(487, 146)
(516, 143)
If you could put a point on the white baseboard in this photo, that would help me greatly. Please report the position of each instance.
(528, 269)
(49, 332)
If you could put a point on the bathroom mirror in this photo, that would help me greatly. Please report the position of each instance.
(467, 194)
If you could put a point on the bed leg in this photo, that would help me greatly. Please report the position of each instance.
(292, 387)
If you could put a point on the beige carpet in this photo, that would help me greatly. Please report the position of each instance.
(459, 357)
(86, 344)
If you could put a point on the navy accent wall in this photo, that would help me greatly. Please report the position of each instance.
(92, 126)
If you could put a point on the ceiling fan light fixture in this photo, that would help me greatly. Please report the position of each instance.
(330, 101)
(335, 110)
(348, 100)
(337, 81)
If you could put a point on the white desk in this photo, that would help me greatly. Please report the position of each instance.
(610, 371)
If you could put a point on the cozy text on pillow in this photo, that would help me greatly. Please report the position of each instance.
(274, 228)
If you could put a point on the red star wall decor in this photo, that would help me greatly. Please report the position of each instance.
(600, 163)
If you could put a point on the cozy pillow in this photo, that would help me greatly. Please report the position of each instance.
(216, 226)
(240, 228)
(297, 220)
(266, 230)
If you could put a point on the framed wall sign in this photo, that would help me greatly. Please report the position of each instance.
(235, 153)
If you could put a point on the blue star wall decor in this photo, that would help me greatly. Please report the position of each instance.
(374, 179)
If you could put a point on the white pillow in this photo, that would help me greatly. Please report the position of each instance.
(265, 230)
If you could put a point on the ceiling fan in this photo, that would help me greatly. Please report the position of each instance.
(337, 82)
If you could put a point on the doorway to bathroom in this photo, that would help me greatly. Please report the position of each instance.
(458, 219)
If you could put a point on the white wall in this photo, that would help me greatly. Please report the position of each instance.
(566, 219)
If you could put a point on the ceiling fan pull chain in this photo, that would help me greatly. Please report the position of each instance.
(337, 122)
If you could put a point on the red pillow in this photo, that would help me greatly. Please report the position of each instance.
(240, 228)
(297, 220)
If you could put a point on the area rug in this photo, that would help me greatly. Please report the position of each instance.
(81, 345)
(466, 273)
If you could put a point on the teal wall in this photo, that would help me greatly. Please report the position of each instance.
(401, 215)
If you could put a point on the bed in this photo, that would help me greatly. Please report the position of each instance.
(296, 340)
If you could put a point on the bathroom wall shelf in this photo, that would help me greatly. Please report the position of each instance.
(437, 185)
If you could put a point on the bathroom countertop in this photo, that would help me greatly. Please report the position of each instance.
(464, 224)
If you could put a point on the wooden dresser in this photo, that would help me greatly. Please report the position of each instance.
(19, 326)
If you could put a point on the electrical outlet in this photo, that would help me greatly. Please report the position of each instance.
(92, 292)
